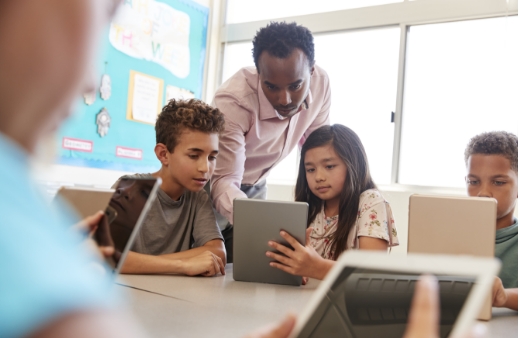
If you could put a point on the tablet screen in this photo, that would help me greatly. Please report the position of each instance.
(125, 207)
(375, 303)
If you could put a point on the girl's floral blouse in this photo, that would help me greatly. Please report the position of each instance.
(375, 219)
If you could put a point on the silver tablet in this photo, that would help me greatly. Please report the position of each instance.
(368, 294)
(255, 223)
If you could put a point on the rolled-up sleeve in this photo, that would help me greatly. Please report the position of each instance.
(227, 177)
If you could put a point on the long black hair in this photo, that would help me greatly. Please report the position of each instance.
(349, 148)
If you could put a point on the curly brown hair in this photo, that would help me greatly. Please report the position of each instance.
(494, 143)
(192, 114)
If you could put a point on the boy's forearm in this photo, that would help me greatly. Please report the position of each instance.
(137, 263)
(512, 299)
(216, 246)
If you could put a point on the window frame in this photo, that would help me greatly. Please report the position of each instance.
(403, 14)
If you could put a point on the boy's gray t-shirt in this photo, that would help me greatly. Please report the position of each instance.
(173, 226)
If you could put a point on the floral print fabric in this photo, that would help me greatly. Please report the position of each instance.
(375, 219)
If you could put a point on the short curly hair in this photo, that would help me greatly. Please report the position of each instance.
(280, 38)
(192, 114)
(494, 143)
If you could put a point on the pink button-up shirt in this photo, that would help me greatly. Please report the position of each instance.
(255, 138)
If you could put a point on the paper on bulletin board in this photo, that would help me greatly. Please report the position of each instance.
(178, 93)
(144, 97)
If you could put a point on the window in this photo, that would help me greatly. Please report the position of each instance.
(462, 78)
(362, 67)
(236, 56)
(253, 10)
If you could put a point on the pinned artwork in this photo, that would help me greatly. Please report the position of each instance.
(178, 93)
(106, 87)
(103, 120)
(153, 31)
(89, 98)
(145, 95)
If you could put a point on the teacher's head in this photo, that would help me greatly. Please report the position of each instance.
(46, 59)
(284, 58)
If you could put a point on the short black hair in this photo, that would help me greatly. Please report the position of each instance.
(494, 143)
(280, 38)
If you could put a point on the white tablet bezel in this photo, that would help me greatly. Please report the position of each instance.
(484, 269)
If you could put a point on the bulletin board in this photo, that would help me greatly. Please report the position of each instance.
(154, 50)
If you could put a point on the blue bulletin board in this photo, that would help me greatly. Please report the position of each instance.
(163, 41)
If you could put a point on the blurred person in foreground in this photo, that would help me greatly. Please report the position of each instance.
(47, 287)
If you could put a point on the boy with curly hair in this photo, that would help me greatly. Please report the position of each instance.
(492, 171)
(180, 233)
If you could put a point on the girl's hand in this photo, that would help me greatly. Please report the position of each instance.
(301, 260)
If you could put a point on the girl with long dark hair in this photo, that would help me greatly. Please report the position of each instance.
(346, 211)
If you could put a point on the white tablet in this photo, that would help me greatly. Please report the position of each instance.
(369, 294)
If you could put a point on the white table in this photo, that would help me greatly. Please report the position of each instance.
(179, 306)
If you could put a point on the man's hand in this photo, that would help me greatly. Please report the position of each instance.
(301, 260)
(280, 330)
(206, 264)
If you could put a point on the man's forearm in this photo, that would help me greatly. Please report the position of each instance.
(223, 192)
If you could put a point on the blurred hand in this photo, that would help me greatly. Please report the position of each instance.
(423, 321)
(103, 243)
(89, 224)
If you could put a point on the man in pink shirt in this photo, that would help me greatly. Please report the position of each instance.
(269, 110)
